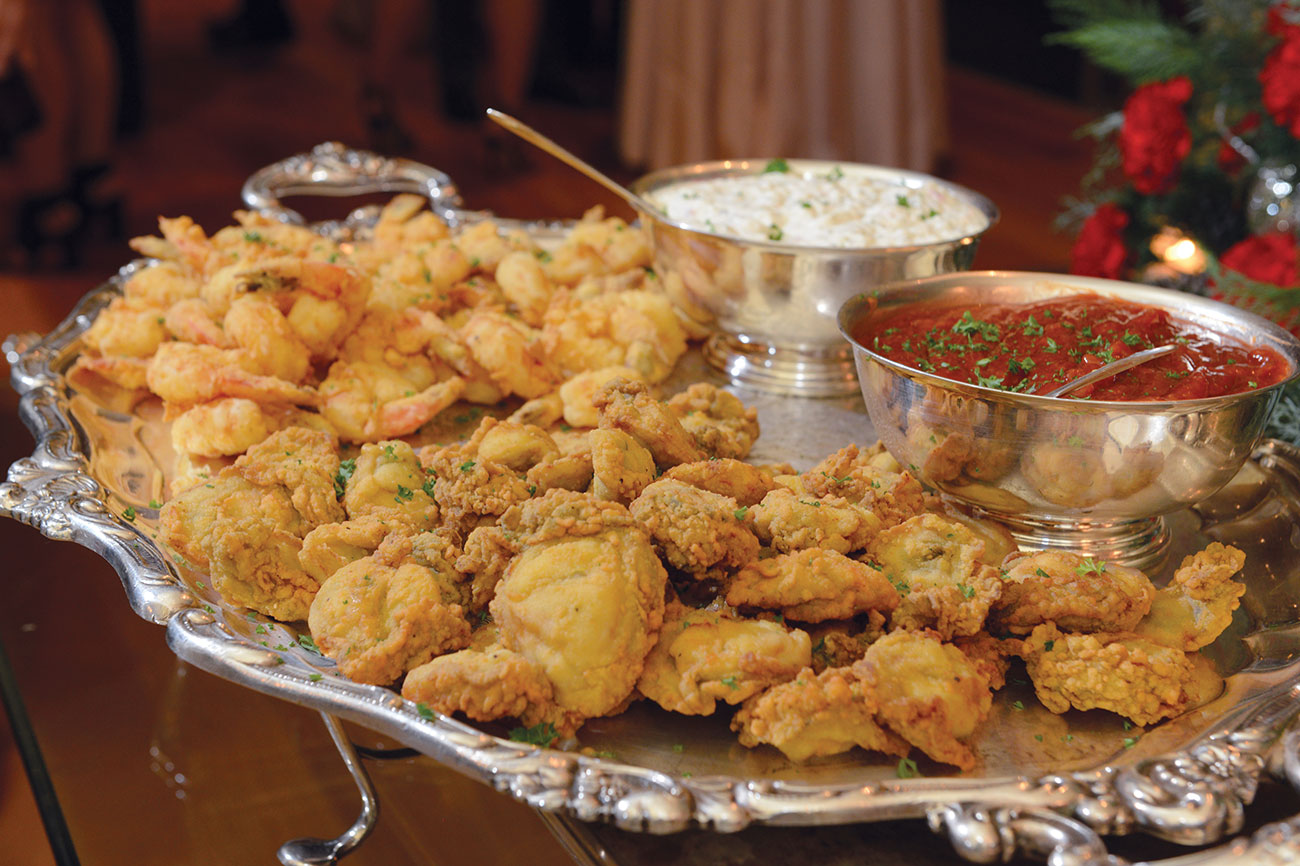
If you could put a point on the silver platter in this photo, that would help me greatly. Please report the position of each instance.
(1047, 786)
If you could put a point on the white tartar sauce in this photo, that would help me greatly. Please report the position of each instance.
(820, 209)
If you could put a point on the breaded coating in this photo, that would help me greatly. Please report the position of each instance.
(742, 482)
(578, 394)
(815, 715)
(990, 655)
(1124, 673)
(930, 693)
(706, 656)
(789, 521)
(562, 514)
(628, 406)
(586, 610)
(839, 643)
(470, 490)
(329, 547)
(999, 543)
(851, 474)
(482, 685)
(1197, 605)
(694, 529)
(621, 466)
(245, 526)
(378, 621)
(1075, 592)
(518, 446)
(720, 424)
(566, 472)
(488, 551)
(388, 483)
(811, 586)
(935, 564)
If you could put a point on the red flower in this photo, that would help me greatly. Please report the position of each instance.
(1099, 250)
(1266, 258)
(1280, 77)
(1155, 138)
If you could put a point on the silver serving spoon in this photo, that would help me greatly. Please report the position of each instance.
(533, 137)
(1107, 370)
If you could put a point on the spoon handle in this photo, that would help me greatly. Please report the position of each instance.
(1107, 370)
(533, 137)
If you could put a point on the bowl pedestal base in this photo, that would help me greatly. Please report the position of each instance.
(1142, 544)
(796, 371)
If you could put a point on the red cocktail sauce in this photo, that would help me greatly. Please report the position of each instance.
(1032, 348)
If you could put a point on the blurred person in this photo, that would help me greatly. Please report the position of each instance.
(859, 80)
(57, 169)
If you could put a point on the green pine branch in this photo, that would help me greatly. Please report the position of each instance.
(1141, 51)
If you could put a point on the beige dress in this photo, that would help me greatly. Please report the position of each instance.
(854, 80)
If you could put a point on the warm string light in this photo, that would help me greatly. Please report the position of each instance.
(1178, 251)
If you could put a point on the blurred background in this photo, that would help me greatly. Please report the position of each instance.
(114, 112)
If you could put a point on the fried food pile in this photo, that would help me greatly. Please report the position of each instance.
(265, 325)
(549, 575)
(600, 544)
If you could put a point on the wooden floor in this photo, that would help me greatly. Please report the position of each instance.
(212, 120)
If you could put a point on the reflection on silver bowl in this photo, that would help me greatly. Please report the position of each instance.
(773, 305)
(1093, 476)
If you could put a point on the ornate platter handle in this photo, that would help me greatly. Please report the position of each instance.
(331, 169)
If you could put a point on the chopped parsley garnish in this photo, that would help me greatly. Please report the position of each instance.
(305, 641)
(966, 591)
(1031, 327)
(1017, 705)
(1048, 644)
(1130, 742)
(730, 682)
(541, 734)
(741, 512)
(907, 769)
(428, 487)
(254, 237)
(468, 466)
(1041, 573)
(129, 513)
(835, 173)
(425, 712)
(346, 468)
(902, 201)
(1090, 566)
(774, 232)
(404, 494)
(776, 165)
(315, 678)
(154, 503)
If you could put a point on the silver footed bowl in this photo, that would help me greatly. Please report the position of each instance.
(773, 305)
(1087, 475)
